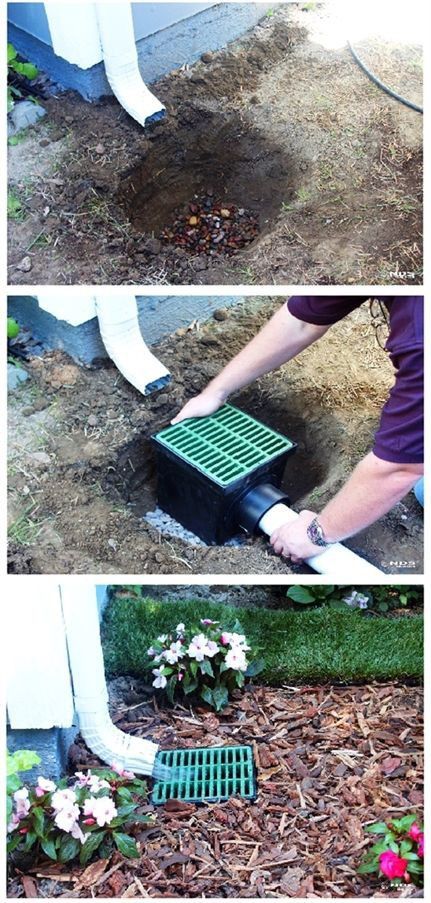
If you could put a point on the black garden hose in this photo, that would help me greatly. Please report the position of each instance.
(380, 84)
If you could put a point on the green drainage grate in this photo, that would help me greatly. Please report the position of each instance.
(225, 446)
(206, 775)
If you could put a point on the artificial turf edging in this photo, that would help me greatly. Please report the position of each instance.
(320, 644)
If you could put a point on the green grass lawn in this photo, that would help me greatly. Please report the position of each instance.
(322, 644)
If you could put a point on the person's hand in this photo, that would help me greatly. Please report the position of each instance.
(291, 540)
(208, 402)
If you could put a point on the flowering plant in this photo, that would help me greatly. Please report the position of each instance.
(77, 817)
(206, 660)
(399, 854)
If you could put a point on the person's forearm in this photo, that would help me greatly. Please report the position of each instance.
(374, 487)
(281, 339)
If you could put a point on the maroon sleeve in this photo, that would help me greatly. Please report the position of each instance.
(322, 311)
(400, 437)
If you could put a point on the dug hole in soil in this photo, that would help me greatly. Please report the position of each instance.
(329, 760)
(320, 171)
(81, 462)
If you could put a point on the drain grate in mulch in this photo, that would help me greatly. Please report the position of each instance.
(206, 775)
(208, 226)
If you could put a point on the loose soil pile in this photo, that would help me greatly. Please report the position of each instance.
(329, 760)
(81, 463)
(278, 123)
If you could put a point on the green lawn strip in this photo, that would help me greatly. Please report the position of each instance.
(322, 644)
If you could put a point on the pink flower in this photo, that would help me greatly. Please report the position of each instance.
(122, 772)
(391, 865)
(225, 638)
(415, 831)
(180, 676)
(89, 821)
(14, 822)
(207, 622)
(421, 845)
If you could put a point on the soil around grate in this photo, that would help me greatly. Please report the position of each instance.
(329, 760)
(79, 506)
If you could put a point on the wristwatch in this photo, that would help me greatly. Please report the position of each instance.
(316, 535)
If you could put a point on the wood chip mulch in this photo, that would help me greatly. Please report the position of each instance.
(329, 761)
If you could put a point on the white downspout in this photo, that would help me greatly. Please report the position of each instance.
(122, 338)
(89, 688)
(336, 561)
(120, 57)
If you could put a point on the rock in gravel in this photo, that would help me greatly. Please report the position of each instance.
(99, 149)
(153, 246)
(221, 313)
(92, 420)
(24, 114)
(41, 459)
(24, 265)
(207, 57)
(15, 376)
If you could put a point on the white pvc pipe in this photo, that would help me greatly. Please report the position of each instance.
(337, 560)
(122, 338)
(81, 618)
(120, 57)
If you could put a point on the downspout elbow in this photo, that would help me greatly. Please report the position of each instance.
(120, 58)
(122, 338)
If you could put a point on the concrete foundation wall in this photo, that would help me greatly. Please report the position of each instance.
(51, 745)
(158, 317)
(159, 52)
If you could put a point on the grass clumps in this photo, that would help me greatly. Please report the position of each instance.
(321, 644)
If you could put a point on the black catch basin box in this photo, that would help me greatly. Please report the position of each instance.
(207, 465)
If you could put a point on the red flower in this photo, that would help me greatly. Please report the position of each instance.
(391, 865)
(421, 845)
(415, 832)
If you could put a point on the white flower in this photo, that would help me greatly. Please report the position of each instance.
(14, 822)
(151, 651)
(160, 681)
(180, 628)
(22, 802)
(236, 659)
(206, 622)
(66, 818)
(88, 805)
(212, 648)
(95, 784)
(162, 638)
(45, 785)
(77, 832)
(174, 653)
(198, 647)
(104, 810)
(238, 640)
(63, 799)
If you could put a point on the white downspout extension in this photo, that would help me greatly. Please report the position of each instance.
(89, 688)
(120, 57)
(122, 338)
(336, 561)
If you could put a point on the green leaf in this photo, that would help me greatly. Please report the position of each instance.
(405, 847)
(379, 827)
(412, 857)
(11, 53)
(170, 688)
(220, 697)
(13, 843)
(207, 695)
(239, 678)
(206, 667)
(126, 845)
(366, 868)
(194, 665)
(38, 819)
(127, 809)
(123, 793)
(48, 847)
(404, 823)
(22, 760)
(300, 594)
(13, 783)
(92, 842)
(69, 848)
(189, 686)
(29, 841)
(255, 667)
